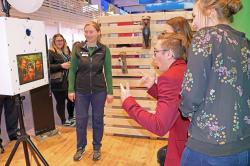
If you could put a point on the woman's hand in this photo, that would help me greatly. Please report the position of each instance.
(109, 99)
(65, 65)
(125, 92)
(148, 80)
(72, 96)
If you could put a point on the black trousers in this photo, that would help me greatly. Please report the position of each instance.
(70, 108)
(11, 115)
(161, 155)
(60, 97)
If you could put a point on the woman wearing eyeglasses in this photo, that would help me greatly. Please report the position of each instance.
(177, 25)
(170, 57)
(59, 56)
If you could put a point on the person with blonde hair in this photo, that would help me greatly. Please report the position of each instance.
(90, 82)
(215, 92)
(170, 58)
(59, 57)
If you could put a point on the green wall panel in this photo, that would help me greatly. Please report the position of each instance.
(242, 19)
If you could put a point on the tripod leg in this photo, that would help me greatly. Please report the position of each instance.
(34, 155)
(12, 152)
(37, 152)
(24, 138)
(26, 153)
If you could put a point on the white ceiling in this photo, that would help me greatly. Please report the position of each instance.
(68, 12)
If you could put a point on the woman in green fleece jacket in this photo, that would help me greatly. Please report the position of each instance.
(88, 84)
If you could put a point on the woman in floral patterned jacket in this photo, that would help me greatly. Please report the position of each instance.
(216, 89)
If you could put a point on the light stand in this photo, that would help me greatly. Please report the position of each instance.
(24, 138)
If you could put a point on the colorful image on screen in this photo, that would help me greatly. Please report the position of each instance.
(30, 67)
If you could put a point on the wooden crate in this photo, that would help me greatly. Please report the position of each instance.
(138, 60)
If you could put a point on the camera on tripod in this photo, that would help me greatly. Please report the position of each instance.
(23, 64)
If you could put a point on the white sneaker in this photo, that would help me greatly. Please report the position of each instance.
(67, 123)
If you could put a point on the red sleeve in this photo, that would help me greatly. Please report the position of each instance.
(153, 91)
(166, 109)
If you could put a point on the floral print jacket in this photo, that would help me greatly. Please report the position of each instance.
(216, 91)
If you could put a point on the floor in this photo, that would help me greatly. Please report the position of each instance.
(59, 149)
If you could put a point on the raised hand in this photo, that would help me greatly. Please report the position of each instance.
(125, 91)
(148, 79)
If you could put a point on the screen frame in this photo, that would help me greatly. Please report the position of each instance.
(19, 58)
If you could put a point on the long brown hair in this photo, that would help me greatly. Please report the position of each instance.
(54, 48)
(180, 25)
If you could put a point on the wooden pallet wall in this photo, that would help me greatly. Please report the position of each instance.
(138, 59)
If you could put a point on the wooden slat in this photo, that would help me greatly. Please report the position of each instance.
(110, 112)
(134, 93)
(115, 112)
(131, 29)
(133, 61)
(144, 103)
(120, 122)
(125, 40)
(133, 132)
(121, 40)
(126, 131)
(131, 72)
(131, 50)
(133, 82)
(120, 29)
(138, 17)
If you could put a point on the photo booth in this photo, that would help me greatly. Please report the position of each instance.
(23, 65)
(23, 55)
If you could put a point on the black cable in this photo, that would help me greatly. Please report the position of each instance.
(5, 7)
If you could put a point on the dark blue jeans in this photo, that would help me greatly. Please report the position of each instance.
(194, 158)
(82, 102)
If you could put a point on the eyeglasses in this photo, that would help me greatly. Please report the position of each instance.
(157, 51)
(59, 40)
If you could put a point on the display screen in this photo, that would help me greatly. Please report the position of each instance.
(30, 67)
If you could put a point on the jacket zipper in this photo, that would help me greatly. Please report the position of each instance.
(90, 75)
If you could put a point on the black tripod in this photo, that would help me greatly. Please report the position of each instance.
(24, 138)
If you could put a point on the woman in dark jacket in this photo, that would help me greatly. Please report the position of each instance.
(90, 82)
(59, 56)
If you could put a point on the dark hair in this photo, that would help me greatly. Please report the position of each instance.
(176, 42)
(180, 25)
(224, 8)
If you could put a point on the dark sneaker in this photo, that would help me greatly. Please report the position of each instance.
(1, 148)
(13, 138)
(96, 155)
(78, 154)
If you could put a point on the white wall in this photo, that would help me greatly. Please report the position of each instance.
(71, 35)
